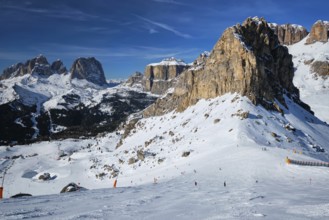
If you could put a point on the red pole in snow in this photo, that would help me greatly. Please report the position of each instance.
(1, 192)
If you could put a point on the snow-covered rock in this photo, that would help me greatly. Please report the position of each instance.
(313, 87)
(33, 106)
(159, 77)
(289, 33)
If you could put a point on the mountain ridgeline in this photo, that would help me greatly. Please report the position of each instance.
(89, 69)
(42, 101)
(248, 59)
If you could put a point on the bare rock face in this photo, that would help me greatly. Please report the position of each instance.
(159, 77)
(319, 32)
(58, 67)
(89, 69)
(248, 60)
(135, 79)
(201, 60)
(289, 33)
(12, 71)
(321, 68)
(37, 65)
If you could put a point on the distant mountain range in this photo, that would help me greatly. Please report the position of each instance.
(224, 124)
(43, 100)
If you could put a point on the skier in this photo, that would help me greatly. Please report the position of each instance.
(224, 183)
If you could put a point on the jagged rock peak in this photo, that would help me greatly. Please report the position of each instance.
(135, 79)
(289, 33)
(248, 60)
(58, 67)
(37, 65)
(201, 59)
(89, 69)
(319, 32)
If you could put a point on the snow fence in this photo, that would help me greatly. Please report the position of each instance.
(307, 163)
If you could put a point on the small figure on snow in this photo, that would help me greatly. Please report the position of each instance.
(195, 183)
(224, 183)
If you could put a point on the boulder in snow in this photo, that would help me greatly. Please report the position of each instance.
(72, 187)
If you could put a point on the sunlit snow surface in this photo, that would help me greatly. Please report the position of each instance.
(314, 90)
(223, 148)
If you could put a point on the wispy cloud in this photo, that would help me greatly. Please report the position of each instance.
(153, 31)
(144, 52)
(60, 12)
(14, 56)
(100, 30)
(165, 27)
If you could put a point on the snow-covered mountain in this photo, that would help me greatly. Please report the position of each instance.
(311, 63)
(189, 156)
(214, 147)
(34, 106)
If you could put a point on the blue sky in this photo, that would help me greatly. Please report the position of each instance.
(126, 35)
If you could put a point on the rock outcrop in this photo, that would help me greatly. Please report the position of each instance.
(319, 32)
(248, 59)
(200, 61)
(321, 68)
(72, 187)
(58, 67)
(159, 77)
(37, 65)
(135, 79)
(289, 33)
(89, 69)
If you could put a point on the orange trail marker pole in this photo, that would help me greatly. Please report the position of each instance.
(1, 192)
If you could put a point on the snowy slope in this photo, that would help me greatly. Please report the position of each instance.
(46, 102)
(48, 91)
(314, 90)
(246, 150)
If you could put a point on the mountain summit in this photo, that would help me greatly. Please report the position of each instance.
(38, 65)
(89, 69)
(248, 59)
(319, 32)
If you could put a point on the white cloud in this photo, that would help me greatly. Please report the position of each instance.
(165, 27)
(153, 31)
(60, 12)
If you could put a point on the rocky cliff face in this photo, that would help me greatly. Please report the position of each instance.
(159, 77)
(37, 65)
(319, 32)
(89, 69)
(321, 68)
(58, 67)
(248, 60)
(135, 79)
(200, 61)
(289, 33)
